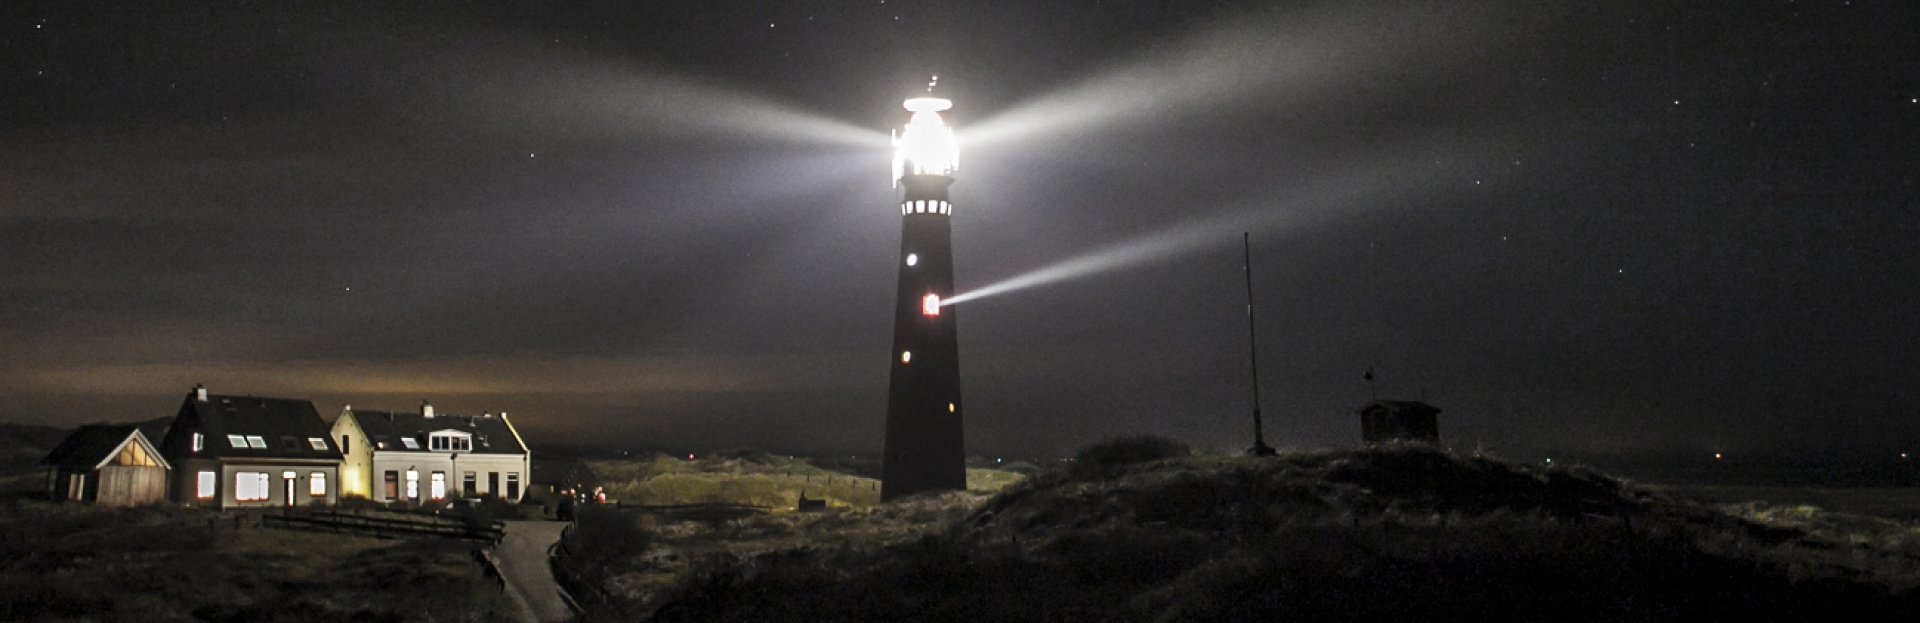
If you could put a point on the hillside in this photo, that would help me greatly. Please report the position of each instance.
(1396, 533)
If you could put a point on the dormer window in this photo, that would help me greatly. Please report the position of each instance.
(319, 444)
(451, 443)
(410, 443)
(256, 441)
(238, 441)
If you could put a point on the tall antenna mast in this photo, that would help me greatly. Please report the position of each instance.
(1260, 447)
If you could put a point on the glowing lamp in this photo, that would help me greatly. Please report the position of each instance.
(926, 145)
(931, 305)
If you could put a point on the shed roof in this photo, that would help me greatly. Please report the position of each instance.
(92, 445)
(492, 434)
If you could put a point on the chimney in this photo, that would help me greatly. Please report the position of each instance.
(426, 409)
(200, 392)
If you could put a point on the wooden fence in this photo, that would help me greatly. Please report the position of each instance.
(383, 527)
(699, 512)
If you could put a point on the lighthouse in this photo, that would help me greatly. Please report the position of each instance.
(925, 449)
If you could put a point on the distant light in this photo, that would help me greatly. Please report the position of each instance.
(906, 356)
(689, 457)
(913, 258)
(1716, 455)
(930, 305)
(949, 407)
(1549, 460)
(996, 460)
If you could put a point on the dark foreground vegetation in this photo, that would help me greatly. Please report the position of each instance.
(79, 562)
(1141, 530)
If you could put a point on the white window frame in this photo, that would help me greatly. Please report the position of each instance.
(199, 442)
(319, 443)
(317, 484)
(252, 487)
(257, 442)
(439, 488)
(206, 483)
(413, 484)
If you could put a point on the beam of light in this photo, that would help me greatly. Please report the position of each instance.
(1258, 64)
(633, 101)
(1329, 199)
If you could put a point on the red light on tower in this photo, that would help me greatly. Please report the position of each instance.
(930, 305)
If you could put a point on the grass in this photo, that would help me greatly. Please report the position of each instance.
(164, 563)
(757, 478)
(1404, 532)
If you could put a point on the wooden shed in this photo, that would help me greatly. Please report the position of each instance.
(1399, 420)
(107, 464)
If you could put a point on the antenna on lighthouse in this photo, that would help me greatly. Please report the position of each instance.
(1260, 447)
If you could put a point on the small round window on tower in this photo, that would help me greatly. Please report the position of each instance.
(906, 356)
(913, 258)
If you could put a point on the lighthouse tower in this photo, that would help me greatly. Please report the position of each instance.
(924, 446)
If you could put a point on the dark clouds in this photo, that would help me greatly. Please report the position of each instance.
(1588, 226)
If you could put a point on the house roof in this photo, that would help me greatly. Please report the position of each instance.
(492, 434)
(288, 428)
(94, 444)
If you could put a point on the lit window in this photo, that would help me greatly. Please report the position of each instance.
(237, 441)
(949, 407)
(317, 443)
(410, 443)
(413, 485)
(206, 483)
(199, 441)
(913, 258)
(317, 484)
(250, 486)
(439, 485)
(930, 305)
(256, 441)
(906, 356)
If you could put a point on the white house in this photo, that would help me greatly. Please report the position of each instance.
(418, 457)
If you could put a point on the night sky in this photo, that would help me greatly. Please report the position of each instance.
(1575, 226)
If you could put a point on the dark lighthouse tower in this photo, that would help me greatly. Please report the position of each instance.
(924, 445)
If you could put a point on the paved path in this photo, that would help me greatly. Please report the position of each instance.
(522, 557)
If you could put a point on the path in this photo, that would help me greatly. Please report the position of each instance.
(522, 557)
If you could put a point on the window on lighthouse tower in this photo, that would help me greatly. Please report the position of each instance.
(913, 258)
(930, 305)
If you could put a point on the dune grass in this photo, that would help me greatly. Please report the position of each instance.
(750, 477)
(1383, 533)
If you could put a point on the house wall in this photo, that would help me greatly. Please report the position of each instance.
(128, 485)
(186, 483)
(455, 465)
(357, 476)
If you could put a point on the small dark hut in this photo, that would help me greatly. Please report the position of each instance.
(553, 478)
(109, 465)
(1399, 420)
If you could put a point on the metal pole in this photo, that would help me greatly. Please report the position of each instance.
(1260, 447)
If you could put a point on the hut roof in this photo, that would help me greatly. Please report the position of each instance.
(93, 445)
(1399, 406)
